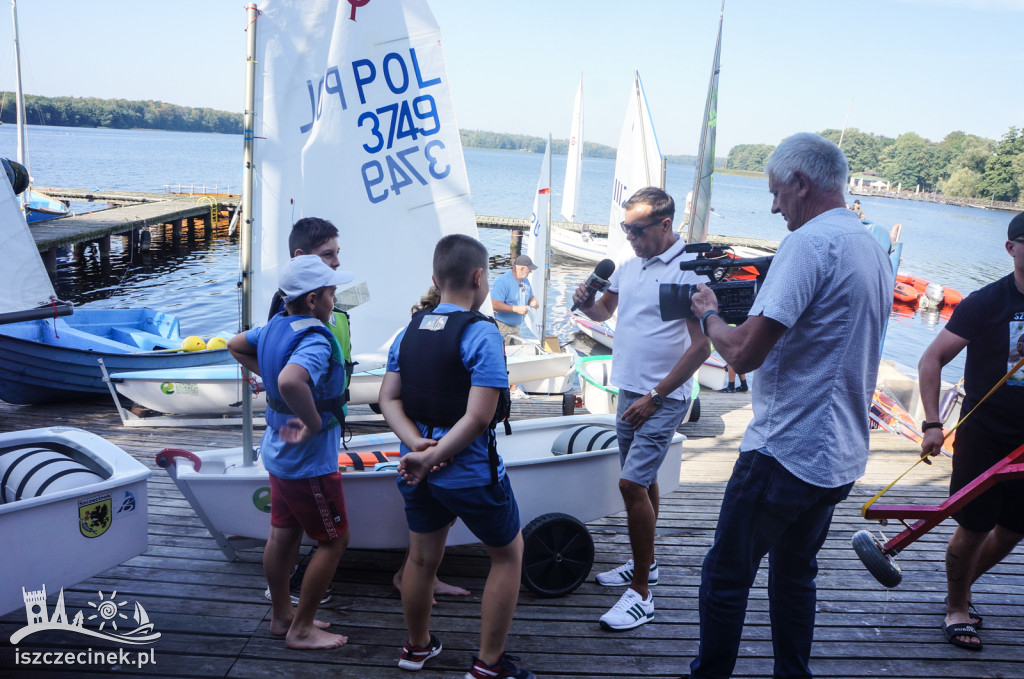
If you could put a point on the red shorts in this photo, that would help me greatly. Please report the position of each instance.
(317, 505)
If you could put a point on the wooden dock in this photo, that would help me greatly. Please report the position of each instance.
(131, 214)
(214, 620)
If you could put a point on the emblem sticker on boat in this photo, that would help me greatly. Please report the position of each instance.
(94, 515)
(261, 499)
(127, 503)
(167, 387)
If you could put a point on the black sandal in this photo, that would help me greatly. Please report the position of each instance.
(962, 629)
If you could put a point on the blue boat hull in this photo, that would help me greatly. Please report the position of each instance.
(41, 363)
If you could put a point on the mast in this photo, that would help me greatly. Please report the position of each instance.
(248, 131)
(19, 102)
(547, 253)
(704, 170)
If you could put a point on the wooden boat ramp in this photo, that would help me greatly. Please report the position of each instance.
(213, 618)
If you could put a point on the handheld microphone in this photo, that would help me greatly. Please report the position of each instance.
(598, 280)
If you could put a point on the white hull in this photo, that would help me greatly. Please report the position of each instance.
(602, 333)
(222, 491)
(44, 536)
(215, 390)
(584, 245)
(540, 372)
(713, 373)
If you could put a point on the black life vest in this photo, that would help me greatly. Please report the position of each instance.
(435, 383)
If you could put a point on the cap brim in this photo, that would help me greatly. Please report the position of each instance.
(342, 277)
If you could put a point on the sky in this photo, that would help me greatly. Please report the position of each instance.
(924, 66)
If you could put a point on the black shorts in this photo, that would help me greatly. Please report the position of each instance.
(974, 452)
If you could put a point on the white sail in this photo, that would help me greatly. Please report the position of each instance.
(355, 124)
(27, 283)
(637, 164)
(574, 162)
(537, 245)
(700, 206)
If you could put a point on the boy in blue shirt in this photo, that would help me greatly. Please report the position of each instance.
(303, 372)
(445, 374)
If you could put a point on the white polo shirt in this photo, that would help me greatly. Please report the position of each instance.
(646, 347)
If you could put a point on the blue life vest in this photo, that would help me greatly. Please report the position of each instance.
(279, 340)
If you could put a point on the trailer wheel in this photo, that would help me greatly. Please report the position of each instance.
(568, 404)
(694, 411)
(878, 563)
(558, 554)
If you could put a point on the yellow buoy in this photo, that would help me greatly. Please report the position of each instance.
(217, 343)
(193, 343)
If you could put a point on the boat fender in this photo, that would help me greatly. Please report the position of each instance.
(363, 461)
(583, 438)
(34, 471)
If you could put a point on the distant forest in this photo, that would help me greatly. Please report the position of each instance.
(960, 166)
(120, 114)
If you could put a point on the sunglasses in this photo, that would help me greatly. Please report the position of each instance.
(638, 229)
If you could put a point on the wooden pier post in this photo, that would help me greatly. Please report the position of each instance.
(515, 243)
(104, 247)
(50, 259)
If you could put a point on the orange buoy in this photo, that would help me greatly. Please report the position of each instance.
(905, 293)
(952, 297)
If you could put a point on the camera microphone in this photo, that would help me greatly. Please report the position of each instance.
(598, 280)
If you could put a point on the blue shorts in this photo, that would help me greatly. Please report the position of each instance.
(490, 512)
(641, 451)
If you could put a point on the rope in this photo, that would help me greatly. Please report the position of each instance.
(1017, 366)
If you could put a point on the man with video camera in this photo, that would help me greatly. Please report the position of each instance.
(654, 363)
(814, 334)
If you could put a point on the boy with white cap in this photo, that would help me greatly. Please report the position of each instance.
(303, 372)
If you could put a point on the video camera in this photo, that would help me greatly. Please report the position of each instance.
(734, 297)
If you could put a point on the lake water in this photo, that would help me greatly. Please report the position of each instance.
(956, 246)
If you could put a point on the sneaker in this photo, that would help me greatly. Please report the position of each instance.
(413, 657)
(295, 585)
(728, 390)
(504, 668)
(630, 611)
(518, 394)
(742, 388)
(623, 575)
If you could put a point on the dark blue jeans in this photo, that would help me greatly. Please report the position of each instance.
(766, 510)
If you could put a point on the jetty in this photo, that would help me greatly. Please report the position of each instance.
(214, 620)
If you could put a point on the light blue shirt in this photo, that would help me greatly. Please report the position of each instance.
(510, 291)
(483, 355)
(319, 455)
(831, 285)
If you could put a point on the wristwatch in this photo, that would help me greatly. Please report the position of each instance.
(704, 319)
(925, 426)
(656, 398)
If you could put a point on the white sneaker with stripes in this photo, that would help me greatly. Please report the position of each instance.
(623, 575)
(631, 611)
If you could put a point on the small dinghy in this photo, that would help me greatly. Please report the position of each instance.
(71, 505)
(600, 397)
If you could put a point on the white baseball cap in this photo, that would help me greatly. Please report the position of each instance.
(307, 273)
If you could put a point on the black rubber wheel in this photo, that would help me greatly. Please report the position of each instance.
(375, 408)
(568, 404)
(695, 411)
(878, 563)
(558, 554)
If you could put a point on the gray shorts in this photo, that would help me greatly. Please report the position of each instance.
(507, 331)
(641, 451)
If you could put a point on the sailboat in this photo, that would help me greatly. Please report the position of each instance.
(638, 163)
(579, 244)
(36, 205)
(376, 197)
(554, 365)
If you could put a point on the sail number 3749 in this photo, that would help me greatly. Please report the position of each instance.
(391, 124)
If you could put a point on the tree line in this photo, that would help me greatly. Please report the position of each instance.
(121, 114)
(961, 165)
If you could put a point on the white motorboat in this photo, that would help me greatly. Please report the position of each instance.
(72, 505)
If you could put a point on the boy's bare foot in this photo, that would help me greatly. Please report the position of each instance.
(279, 629)
(449, 590)
(316, 639)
